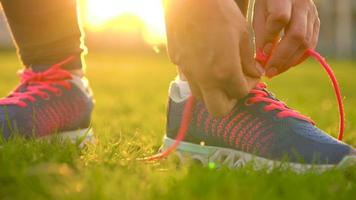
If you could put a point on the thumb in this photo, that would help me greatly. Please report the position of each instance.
(259, 23)
(252, 82)
(270, 22)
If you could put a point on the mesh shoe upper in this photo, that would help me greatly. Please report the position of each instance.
(252, 128)
(45, 103)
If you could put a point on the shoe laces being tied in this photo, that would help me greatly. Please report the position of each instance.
(261, 96)
(263, 58)
(38, 84)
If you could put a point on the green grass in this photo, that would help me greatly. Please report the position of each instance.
(129, 122)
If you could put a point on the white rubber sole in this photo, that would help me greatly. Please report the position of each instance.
(80, 137)
(207, 155)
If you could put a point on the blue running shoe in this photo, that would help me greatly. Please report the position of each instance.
(260, 128)
(46, 103)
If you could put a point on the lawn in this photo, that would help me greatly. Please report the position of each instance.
(129, 122)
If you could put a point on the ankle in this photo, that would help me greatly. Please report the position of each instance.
(73, 63)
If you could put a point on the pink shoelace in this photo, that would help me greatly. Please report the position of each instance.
(37, 83)
(261, 96)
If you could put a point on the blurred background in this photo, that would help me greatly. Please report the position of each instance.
(138, 25)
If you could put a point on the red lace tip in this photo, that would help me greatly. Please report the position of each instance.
(261, 57)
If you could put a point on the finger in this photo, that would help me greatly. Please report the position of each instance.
(294, 38)
(310, 28)
(237, 87)
(228, 74)
(195, 89)
(278, 17)
(301, 54)
(184, 74)
(234, 83)
(315, 37)
(240, 87)
(313, 41)
(221, 93)
(217, 102)
(249, 65)
(259, 24)
(297, 57)
(252, 82)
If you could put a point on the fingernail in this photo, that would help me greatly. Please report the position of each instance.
(268, 49)
(271, 72)
(260, 69)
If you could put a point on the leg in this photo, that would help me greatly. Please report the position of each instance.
(260, 130)
(45, 32)
(53, 96)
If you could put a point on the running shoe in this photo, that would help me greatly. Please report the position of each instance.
(47, 103)
(260, 128)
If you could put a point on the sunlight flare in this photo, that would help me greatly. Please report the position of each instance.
(145, 16)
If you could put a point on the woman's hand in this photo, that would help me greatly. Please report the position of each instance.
(209, 41)
(300, 22)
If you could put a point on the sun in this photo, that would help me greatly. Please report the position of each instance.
(146, 15)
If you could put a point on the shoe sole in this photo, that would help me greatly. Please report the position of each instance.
(80, 136)
(212, 156)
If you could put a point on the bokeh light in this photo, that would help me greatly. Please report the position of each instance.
(144, 16)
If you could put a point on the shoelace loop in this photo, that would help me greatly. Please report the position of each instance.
(332, 77)
(37, 83)
(263, 59)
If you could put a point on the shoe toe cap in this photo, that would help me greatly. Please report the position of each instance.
(304, 142)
